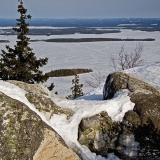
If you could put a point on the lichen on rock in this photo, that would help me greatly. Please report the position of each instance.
(47, 106)
(143, 121)
(41, 98)
(118, 80)
(98, 133)
(21, 130)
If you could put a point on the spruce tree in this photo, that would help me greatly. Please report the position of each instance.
(76, 88)
(20, 63)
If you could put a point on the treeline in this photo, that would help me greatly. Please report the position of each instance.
(67, 72)
(64, 31)
(4, 41)
(73, 30)
(94, 39)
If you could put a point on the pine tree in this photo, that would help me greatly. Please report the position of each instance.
(20, 63)
(76, 89)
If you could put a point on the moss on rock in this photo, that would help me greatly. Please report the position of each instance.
(143, 122)
(97, 133)
(119, 80)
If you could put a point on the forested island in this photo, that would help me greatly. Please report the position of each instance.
(68, 72)
(62, 31)
(72, 40)
(4, 41)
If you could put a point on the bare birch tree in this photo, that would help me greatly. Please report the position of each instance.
(127, 60)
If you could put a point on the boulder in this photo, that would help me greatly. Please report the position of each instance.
(46, 106)
(119, 80)
(127, 146)
(52, 149)
(140, 125)
(35, 88)
(147, 106)
(23, 135)
(41, 98)
(143, 122)
(98, 133)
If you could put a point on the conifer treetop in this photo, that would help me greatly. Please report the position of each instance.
(76, 88)
(20, 63)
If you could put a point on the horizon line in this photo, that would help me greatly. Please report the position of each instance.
(85, 18)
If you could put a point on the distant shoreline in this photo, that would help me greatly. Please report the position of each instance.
(73, 40)
(4, 41)
(78, 40)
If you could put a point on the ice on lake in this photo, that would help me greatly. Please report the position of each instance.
(90, 55)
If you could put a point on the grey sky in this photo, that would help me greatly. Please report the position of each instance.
(83, 8)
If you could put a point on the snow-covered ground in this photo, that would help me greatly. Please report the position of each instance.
(150, 73)
(87, 106)
(93, 55)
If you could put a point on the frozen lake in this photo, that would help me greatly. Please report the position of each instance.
(90, 55)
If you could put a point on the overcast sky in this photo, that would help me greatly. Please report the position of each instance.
(83, 8)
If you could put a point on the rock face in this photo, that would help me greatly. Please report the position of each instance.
(98, 133)
(52, 149)
(34, 88)
(143, 122)
(47, 106)
(119, 80)
(140, 125)
(40, 96)
(23, 134)
(138, 135)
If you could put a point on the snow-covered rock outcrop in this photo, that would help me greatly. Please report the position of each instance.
(24, 129)
(127, 125)
(140, 125)
(119, 80)
(97, 133)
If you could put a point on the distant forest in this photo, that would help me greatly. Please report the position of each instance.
(72, 40)
(115, 22)
(64, 31)
(84, 26)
